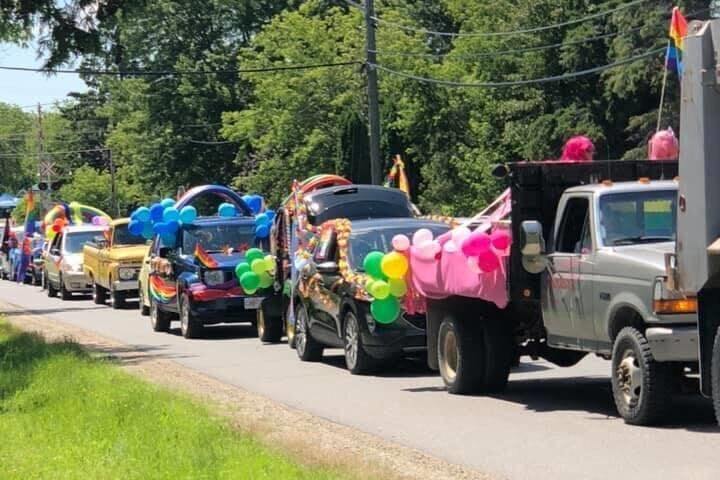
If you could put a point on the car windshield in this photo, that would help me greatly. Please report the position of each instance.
(365, 241)
(218, 238)
(637, 217)
(124, 237)
(75, 241)
(360, 209)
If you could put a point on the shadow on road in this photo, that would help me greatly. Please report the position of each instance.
(49, 311)
(406, 367)
(222, 332)
(136, 354)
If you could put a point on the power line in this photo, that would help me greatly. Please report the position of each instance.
(513, 32)
(565, 76)
(88, 150)
(183, 72)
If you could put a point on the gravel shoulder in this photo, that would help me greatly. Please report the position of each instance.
(305, 437)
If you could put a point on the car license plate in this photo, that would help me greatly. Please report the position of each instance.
(253, 303)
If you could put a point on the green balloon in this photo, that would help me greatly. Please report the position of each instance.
(258, 266)
(372, 265)
(385, 311)
(241, 268)
(254, 254)
(250, 281)
(398, 287)
(380, 289)
(269, 264)
(266, 280)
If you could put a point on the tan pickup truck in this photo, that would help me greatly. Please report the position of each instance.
(112, 263)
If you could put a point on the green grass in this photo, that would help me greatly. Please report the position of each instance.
(65, 415)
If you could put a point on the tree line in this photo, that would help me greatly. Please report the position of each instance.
(258, 130)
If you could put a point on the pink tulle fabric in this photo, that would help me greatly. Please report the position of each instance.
(663, 146)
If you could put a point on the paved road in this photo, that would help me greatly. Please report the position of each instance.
(551, 423)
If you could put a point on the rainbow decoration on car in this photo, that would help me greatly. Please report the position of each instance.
(678, 30)
(397, 173)
(160, 291)
(204, 258)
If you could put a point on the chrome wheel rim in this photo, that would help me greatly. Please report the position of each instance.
(184, 315)
(300, 331)
(449, 363)
(153, 314)
(630, 378)
(351, 341)
(260, 323)
(140, 300)
(289, 329)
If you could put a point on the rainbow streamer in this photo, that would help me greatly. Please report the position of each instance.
(678, 30)
(160, 291)
(204, 258)
(397, 172)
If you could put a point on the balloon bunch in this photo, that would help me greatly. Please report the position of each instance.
(100, 220)
(263, 217)
(56, 227)
(256, 271)
(483, 251)
(161, 219)
(424, 246)
(386, 280)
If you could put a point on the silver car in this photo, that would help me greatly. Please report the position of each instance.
(64, 262)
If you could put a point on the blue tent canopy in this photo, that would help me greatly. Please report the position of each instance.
(8, 201)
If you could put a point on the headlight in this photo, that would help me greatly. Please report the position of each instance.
(669, 302)
(126, 273)
(214, 277)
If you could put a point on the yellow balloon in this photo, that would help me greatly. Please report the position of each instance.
(398, 288)
(258, 266)
(394, 265)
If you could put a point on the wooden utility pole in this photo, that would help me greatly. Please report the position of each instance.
(44, 194)
(113, 186)
(373, 96)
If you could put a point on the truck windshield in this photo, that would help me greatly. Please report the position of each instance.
(218, 238)
(75, 241)
(122, 237)
(364, 241)
(637, 217)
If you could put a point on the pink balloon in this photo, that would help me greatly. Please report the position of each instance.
(488, 261)
(428, 250)
(459, 235)
(401, 243)
(500, 239)
(472, 263)
(96, 220)
(450, 246)
(421, 237)
(476, 243)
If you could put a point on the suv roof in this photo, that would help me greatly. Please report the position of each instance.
(357, 202)
(222, 220)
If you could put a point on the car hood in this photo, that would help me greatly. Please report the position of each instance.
(642, 261)
(73, 259)
(134, 253)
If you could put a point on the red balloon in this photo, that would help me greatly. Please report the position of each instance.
(56, 228)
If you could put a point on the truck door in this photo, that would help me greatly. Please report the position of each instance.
(325, 300)
(567, 288)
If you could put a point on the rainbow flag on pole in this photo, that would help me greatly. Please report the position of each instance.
(678, 30)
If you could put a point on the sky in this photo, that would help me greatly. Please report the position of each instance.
(28, 88)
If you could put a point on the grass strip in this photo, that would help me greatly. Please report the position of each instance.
(66, 415)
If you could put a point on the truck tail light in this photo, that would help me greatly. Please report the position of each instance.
(679, 305)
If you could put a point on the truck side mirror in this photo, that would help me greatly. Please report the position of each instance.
(532, 246)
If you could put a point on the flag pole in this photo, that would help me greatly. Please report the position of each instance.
(662, 91)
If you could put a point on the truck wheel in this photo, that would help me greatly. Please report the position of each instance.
(98, 294)
(64, 294)
(715, 375)
(159, 320)
(190, 327)
(117, 299)
(51, 292)
(144, 309)
(460, 355)
(269, 329)
(641, 386)
(43, 280)
(307, 348)
(289, 328)
(357, 360)
(500, 354)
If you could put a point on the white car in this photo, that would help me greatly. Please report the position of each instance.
(64, 262)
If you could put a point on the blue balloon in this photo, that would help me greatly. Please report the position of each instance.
(135, 227)
(168, 240)
(262, 219)
(167, 202)
(255, 203)
(147, 231)
(262, 231)
(246, 198)
(142, 214)
(227, 210)
(160, 228)
(171, 215)
(188, 214)
(173, 226)
(270, 214)
(156, 212)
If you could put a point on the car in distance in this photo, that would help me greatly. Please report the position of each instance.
(329, 311)
(64, 263)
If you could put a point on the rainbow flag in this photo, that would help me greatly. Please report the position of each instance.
(678, 30)
(160, 291)
(204, 258)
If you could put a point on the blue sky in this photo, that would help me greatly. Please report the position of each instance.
(27, 88)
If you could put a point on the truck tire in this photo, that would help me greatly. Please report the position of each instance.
(159, 320)
(307, 348)
(715, 375)
(641, 386)
(460, 355)
(144, 309)
(117, 299)
(500, 354)
(269, 328)
(289, 328)
(51, 292)
(98, 294)
(190, 327)
(43, 281)
(64, 294)
(357, 360)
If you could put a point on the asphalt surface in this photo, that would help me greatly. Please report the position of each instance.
(550, 423)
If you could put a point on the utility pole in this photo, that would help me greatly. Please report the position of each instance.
(373, 100)
(113, 188)
(44, 200)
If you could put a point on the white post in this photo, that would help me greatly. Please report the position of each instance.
(664, 83)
